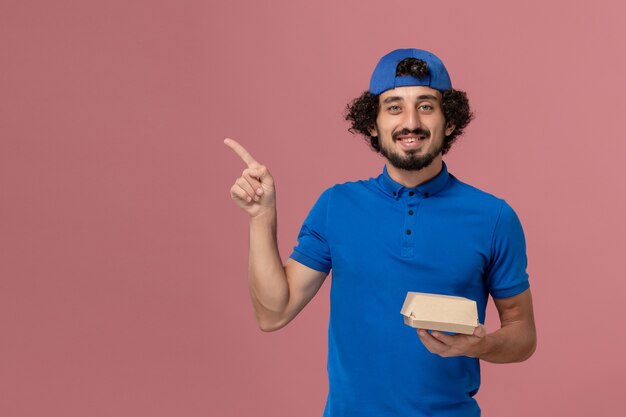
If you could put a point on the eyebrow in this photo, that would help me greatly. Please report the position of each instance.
(392, 99)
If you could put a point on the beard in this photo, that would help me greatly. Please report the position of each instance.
(412, 161)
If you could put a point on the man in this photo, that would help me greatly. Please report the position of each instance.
(413, 228)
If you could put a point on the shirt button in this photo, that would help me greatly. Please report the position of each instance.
(426, 195)
(408, 231)
(410, 212)
(394, 193)
(411, 193)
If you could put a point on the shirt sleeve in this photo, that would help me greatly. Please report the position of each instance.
(313, 249)
(507, 276)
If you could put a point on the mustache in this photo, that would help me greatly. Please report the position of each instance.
(418, 132)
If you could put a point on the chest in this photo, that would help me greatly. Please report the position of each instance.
(419, 245)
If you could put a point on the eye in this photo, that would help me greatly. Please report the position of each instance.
(425, 107)
(394, 109)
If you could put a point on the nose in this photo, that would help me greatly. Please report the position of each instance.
(412, 119)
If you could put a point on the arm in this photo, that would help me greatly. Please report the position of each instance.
(515, 341)
(278, 292)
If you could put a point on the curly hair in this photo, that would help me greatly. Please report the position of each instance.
(363, 111)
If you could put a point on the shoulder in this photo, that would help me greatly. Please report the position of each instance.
(469, 191)
(478, 203)
(353, 186)
(474, 196)
(348, 197)
(350, 188)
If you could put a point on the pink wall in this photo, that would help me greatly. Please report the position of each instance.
(123, 260)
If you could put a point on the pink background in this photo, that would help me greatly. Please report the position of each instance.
(123, 261)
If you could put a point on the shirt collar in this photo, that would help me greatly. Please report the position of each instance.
(427, 189)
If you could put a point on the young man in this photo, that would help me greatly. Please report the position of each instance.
(413, 228)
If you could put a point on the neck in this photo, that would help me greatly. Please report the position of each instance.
(414, 178)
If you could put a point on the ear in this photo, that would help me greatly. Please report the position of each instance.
(449, 128)
(373, 131)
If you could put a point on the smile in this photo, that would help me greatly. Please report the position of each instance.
(411, 138)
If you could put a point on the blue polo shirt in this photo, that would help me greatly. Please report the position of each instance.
(381, 240)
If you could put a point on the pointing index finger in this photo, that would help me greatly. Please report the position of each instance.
(241, 151)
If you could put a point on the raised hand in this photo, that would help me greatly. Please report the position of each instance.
(254, 190)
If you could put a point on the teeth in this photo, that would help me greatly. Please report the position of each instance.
(409, 140)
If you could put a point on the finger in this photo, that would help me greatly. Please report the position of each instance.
(246, 187)
(432, 344)
(252, 177)
(237, 193)
(241, 151)
(444, 338)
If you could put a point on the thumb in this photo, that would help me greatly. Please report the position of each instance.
(480, 331)
(261, 173)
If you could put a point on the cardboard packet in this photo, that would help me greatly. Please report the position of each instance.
(440, 312)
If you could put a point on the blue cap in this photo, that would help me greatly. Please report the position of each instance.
(384, 76)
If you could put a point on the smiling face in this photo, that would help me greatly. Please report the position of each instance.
(411, 127)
